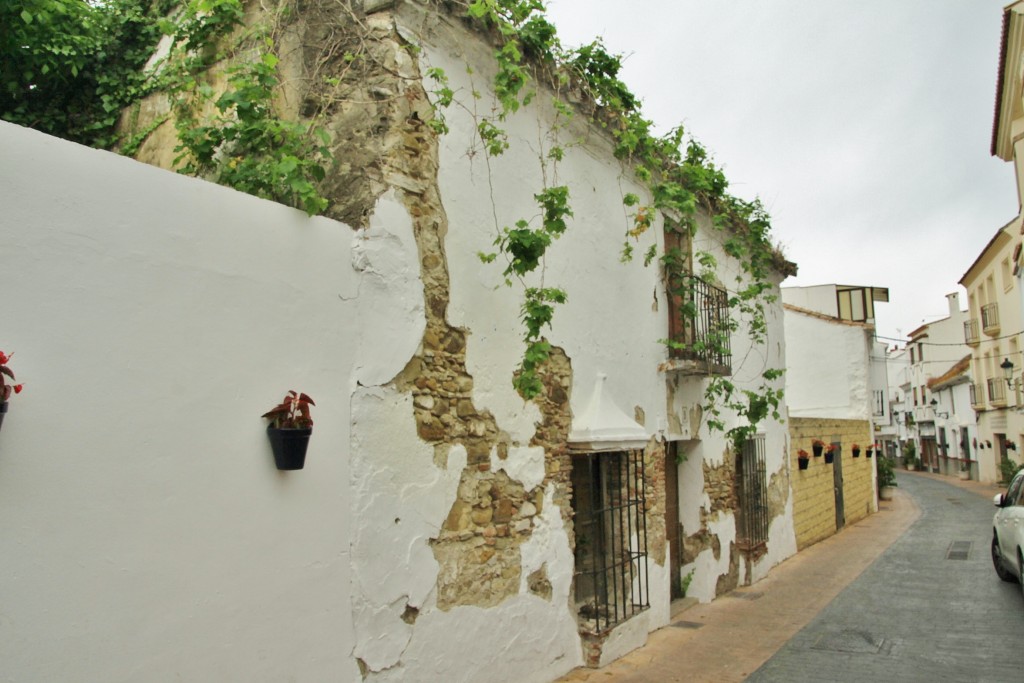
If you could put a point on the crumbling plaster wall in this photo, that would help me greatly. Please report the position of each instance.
(707, 497)
(467, 484)
(472, 502)
(502, 553)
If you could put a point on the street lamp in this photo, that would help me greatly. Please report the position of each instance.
(1007, 366)
(937, 412)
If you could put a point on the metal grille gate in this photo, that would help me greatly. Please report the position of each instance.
(611, 579)
(753, 493)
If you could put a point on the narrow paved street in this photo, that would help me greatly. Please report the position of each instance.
(886, 599)
(924, 611)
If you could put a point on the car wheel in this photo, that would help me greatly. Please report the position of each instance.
(1020, 566)
(997, 561)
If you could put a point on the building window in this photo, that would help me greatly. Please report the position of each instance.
(858, 303)
(990, 318)
(977, 397)
(699, 323)
(608, 503)
(997, 391)
(752, 494)
(878, 403)
(911, 355)
(971, 335)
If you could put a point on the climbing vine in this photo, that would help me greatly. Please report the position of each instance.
(682, 181)
(72, 67)
(68, 67)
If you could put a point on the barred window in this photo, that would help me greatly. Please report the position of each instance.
(608, 503)
(752, 494)
(878, 403)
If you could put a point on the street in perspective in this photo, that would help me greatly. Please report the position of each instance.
(931, 608)
(511, 341)
(909, 594)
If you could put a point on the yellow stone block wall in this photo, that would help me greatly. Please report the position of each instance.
(814, 505)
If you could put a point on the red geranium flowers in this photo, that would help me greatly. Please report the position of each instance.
(5, 388)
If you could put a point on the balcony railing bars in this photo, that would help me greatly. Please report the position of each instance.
(997, 390)
(699, 322)
(990, 316)
(971, 335)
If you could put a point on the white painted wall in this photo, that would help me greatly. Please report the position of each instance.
(827, 367)
(615, 312)
(154, 317)
(818, 298)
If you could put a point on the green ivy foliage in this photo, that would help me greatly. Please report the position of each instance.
(682, 181)
(69, 67)
(248, 147)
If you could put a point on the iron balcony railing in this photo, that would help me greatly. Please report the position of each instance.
(699, 323)
(990, 318)
(997, 390)
(971, 335)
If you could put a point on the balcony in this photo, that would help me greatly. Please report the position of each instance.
(997, 391)
(971, 336)
(699, 328)
(990, 319)
(977, 397)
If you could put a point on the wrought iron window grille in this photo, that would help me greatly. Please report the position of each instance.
(752, 494)
(611, 577)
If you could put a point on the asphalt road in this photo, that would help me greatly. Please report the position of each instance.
(925, 610)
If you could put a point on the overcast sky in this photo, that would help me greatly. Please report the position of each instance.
(864, 126)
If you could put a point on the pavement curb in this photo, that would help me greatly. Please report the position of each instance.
(731, 637)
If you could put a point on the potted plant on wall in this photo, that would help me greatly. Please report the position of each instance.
(817, 446)
(886, 477)
(910, 456)
(856, 450)
(965, 469)
(6, 388)
(289, 430)
(803, 459)
(872, 447)
(830, 453)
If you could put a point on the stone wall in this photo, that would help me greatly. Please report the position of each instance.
(814, 504)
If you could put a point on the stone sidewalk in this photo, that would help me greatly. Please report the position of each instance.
(728, 639)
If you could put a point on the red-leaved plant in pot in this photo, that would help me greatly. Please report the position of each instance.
(803, 459)
(289, 430)
(6, 388)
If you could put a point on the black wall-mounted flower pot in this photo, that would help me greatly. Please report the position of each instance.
(856, 452)
(804, 462)
(829, 457)
(3, 411)
(289, 446)
(817, 451)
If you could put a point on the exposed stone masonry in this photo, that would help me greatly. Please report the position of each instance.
(478, 548)
(719, 484)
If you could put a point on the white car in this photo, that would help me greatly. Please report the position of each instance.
(1008, 532)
